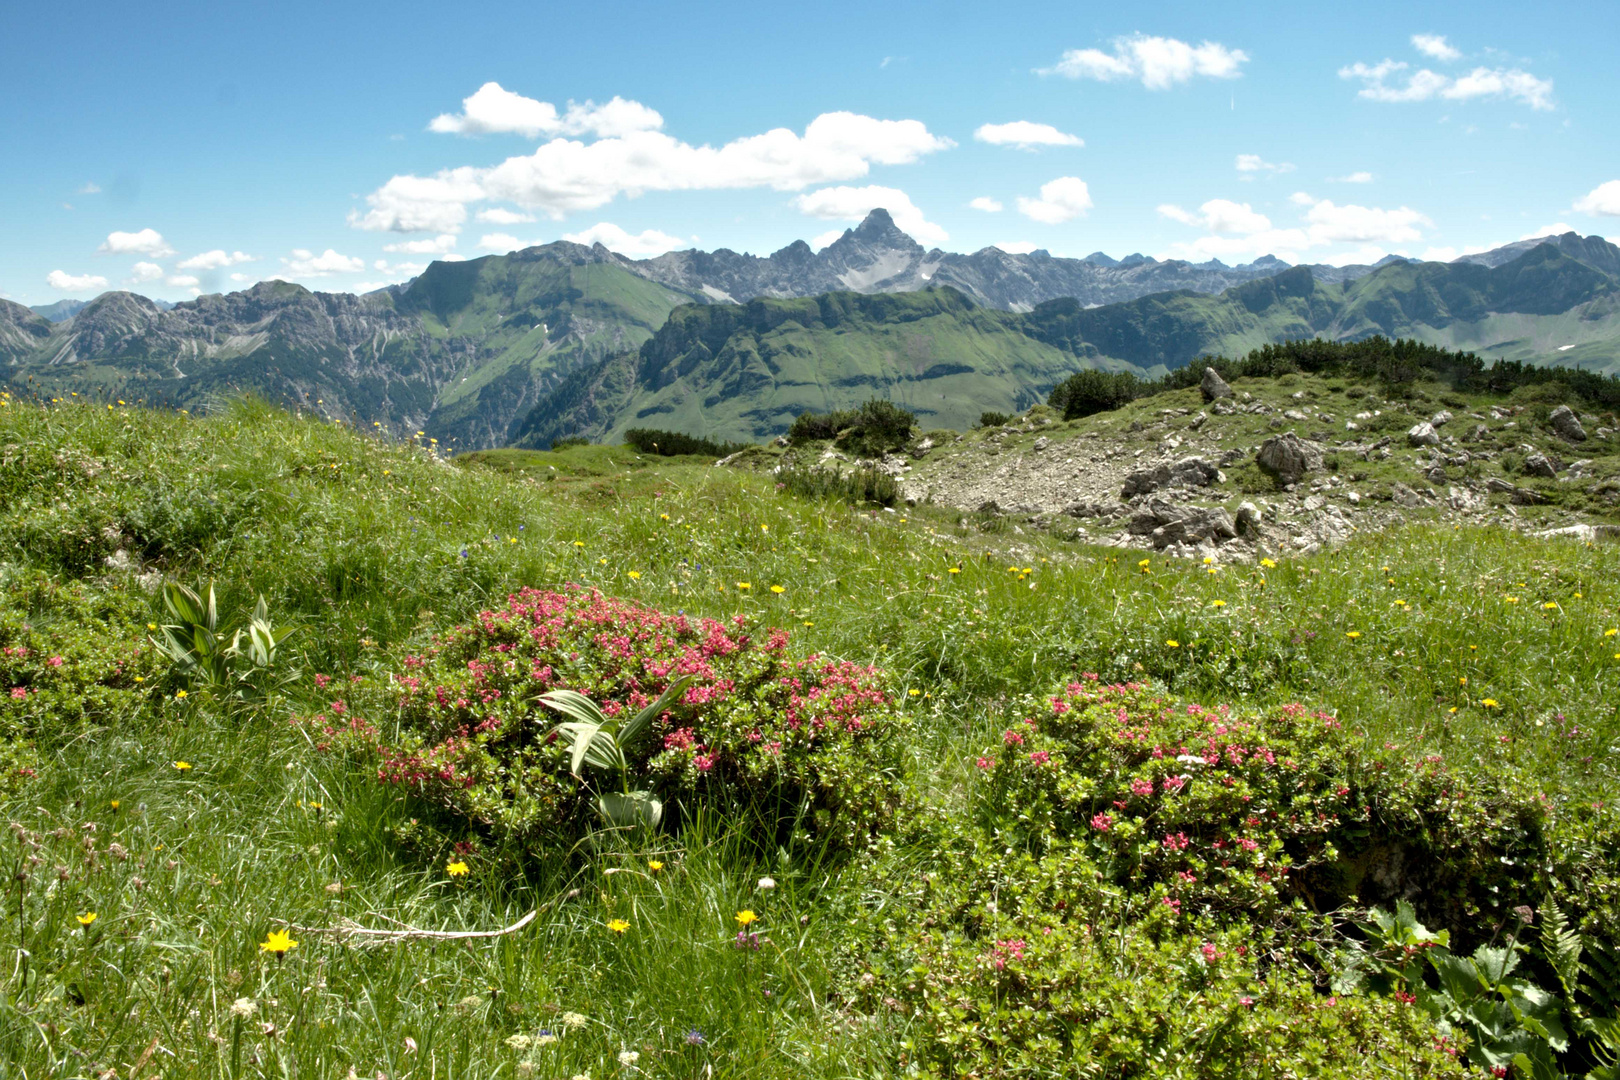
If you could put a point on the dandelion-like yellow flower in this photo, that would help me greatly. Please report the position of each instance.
(457, 869)
(635, 575)
(579, 543)
(744, 585)
(182, 765)
(1144, 562)
(1217, 603)
(1610, 633)
(618, 926)
(746, 917)
(1352, 634)
(279, 942)
(778, 589)
(87, 918)
(914, 693)
(1173, 643)
(1511, 599)
(1549, 606)
(1490, 703)
(954, 570)
(655, 865)
(1269, 564)
(179, 695)
(663, 517)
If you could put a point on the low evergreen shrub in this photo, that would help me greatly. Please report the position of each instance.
(1124, 852)
(799, 751)
(674, 444)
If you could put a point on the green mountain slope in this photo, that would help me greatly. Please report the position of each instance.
(462, 352)
(745, 372)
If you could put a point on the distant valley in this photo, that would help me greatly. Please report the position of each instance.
(564, 339)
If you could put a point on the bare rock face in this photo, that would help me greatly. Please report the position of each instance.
(1567, 424)
(1538, 464)
(1423, 434)
(1169, 524)
(1214, 386)
(1288, 457)
(1188, 472)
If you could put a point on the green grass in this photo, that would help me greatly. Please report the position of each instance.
(370, 546)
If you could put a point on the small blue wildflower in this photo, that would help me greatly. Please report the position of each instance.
(694, 1037)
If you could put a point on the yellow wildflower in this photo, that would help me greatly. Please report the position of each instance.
(279, 942)
(1269, 564)
(778, 589)
(1173, 643)
(746, 916)
(744, 585)
(635, 575)
(182, 765)
(655, 865)
(1352, 634)
(618, 926)
(87, 918)
(1490, 703)
(179, 695)
(457, 869)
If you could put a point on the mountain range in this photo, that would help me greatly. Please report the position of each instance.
(565, 339)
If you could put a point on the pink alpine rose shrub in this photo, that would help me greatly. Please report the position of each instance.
(800, 749)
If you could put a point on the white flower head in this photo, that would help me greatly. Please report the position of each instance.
(244, 1007)
(519, 1042)
(767, 883)
(573, 1020)
(628, 1058)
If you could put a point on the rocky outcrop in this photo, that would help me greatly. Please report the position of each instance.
(1213, 386)
(1567, 424)
(1166, 524)
(1288, 457)
(1422, 434)
(1192, 472)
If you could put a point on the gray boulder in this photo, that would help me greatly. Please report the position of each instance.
(1567, 424)
(1538, 464)
(1423, 434)
(1169, 524)
(1288, 457)
(1213, 385)
(1188, 472)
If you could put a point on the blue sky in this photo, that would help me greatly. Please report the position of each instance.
(184, 147)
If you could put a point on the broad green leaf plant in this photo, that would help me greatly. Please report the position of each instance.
(600, 741)
(241, 667)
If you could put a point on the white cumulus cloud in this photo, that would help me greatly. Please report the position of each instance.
(1253, 165)
(1024, 135)
(845, 203)
(493, 110)
(1436, 46)
(634, 245)
(306, 264)
(1603, 199)
(500, 242)
(1159, 62)
(1352, 178)
(566, 176)
(1235, 229)
(1382, 82)
(65, 282)
(499, 215)
(146, 242)
(1015, 247)
(437, 246)
(217, 259)
(145, 271)
(1061, 200)
(1557, 228)
(987, 204)
(185, 281)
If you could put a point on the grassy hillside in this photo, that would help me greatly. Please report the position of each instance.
(193, 826)
(745, 372)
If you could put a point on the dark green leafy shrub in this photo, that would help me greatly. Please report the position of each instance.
(70, 658)
(801, 751)
(1087, 392)
(991, 418)
(1119, 841)
(565, 441)
(876, 428)
(674, 444)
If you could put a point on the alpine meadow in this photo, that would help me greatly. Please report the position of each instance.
(465, 613)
